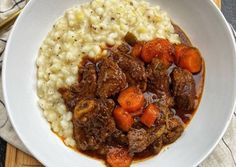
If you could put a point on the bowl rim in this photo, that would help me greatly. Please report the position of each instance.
(233, 40)
(35, 153)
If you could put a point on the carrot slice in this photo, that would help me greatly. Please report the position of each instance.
(123, 119)
(156, 48)
(150, 115)
(118, 157)
(136, 50)
(131, 99)
(166, 59)
(191, 60)
(179, 51)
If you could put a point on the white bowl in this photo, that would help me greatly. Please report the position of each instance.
(207, 29)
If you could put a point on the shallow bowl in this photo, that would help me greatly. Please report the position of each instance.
(207, 29)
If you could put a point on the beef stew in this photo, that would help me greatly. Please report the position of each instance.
(125, 105)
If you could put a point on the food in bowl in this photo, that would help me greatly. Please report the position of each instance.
(118, 80)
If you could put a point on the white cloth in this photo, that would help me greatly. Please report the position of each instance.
(224, 155)
(8, 7)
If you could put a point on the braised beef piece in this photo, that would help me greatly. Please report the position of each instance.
(158, 82)
(183, 89)
(70, 96)
(85, 88)
(120, 137)
(142, 138)
(111, 79)
(156, 132)
(166, 129)
(157, 145)
(88, 82)
(174, 130)
(132, 67)
(138, 140)
(93, 123)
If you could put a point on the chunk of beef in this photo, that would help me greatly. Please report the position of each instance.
(138, 140)
(70, 96)
(120, 137)
(132, 67)
(88, 82)
(86, 87)
(93, 123)
(170, 126)
(158, 82)
(111, 79)
(141, 139)
(103, 149)
(155, 133)
(174, 130)
(165, 115)
(157, 145)
(167, 129)
(183, 86)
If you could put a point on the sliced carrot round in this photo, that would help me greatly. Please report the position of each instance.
(179, 51)
(191, 60)
(156, 48)
(131, 99)
(123, 119)
(150, 115)
(118, 157)
(166, 59)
